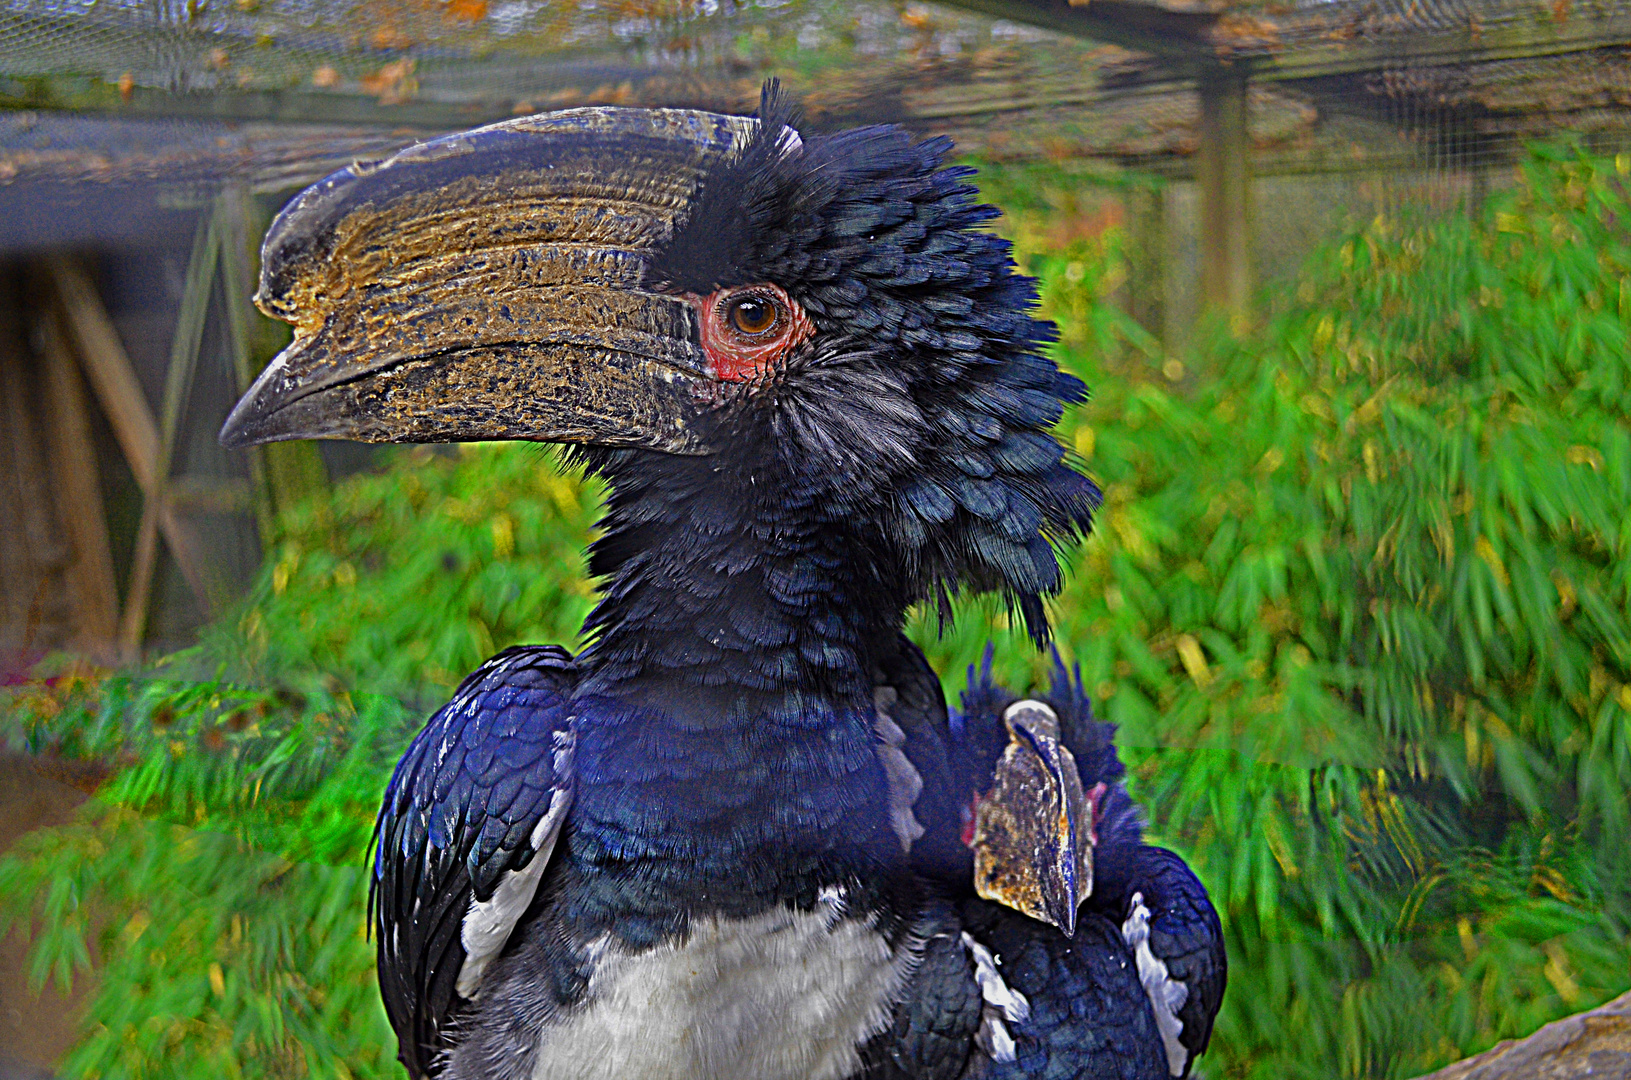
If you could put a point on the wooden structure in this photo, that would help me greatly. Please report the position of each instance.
(64, 372)
(1431, 59)
(1209, 90)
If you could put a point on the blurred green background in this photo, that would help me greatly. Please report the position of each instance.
(1357, 597)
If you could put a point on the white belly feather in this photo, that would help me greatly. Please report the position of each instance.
(781, 996)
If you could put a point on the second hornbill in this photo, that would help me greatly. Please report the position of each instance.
(735, 837)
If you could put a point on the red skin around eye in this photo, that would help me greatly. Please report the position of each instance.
(737, 357)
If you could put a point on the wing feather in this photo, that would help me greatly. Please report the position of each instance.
(465, 834)
(1186, 933)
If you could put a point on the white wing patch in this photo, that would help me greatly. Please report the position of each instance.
(1002, 1004)
(489, 923)
(1167, 995)
(905, 785)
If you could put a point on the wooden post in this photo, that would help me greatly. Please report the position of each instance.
(1223, 177)
(31, 555)
(178, 383)
(1148, 260)
(91, 591)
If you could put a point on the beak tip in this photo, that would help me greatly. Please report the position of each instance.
(234, 433)
(242, 428)
(1061, 909)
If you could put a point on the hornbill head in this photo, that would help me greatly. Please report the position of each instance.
(819, 318)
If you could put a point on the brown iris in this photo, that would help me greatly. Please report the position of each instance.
(753, 314)
(747, 329)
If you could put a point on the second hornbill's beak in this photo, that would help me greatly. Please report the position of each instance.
(490, 285)
(1034, 828)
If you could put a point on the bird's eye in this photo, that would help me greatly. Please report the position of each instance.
(753, 314)
(747, 329)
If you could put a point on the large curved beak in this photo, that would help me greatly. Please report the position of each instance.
(489, 285)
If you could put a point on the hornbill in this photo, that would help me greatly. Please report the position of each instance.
(725, 840)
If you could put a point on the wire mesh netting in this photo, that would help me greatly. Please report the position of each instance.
(1496, 70)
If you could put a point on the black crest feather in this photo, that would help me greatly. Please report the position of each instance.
(922, 410)
(736, 203)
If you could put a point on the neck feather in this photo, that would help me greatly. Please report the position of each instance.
(731, 593)
(727, 708)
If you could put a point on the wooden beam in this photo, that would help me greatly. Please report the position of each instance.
(178, 383)
(1173, 41)
(120, 395)
(92, 593)
(1310, 42)
(1223, 177)
(90, 94)
(1520, 36)
(111, 373)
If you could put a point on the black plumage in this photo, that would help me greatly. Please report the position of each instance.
(1093, 1032)
(726, 839)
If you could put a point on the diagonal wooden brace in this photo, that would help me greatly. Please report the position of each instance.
(118, 391)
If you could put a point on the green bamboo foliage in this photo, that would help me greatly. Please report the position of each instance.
(218, 880)
(1360, 608)
(1365, 600)
(405, 580)
(1358, 601)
